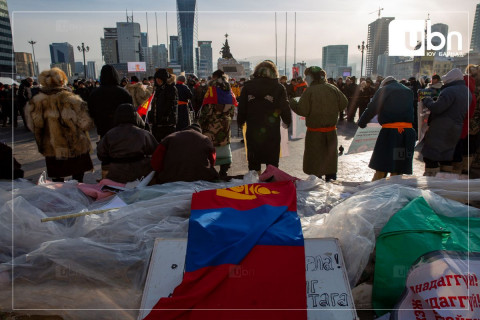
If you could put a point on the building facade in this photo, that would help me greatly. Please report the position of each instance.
(63, 53)
(187, 20)
(174, 49)
(78, 71)
(24, 64)
(65, 67)
(159, 56)
(333, 57)
(91, 70)
(377, 41)
(109, 44)
(475, 43)
(205, 58)
(129, 42)
(6, 42)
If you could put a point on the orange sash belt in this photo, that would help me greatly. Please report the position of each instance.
(324, 129)
(397, 125)
(180, 103)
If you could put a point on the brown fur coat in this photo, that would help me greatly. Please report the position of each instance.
(139, 93)
(60, 121)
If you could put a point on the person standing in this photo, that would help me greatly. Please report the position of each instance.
(320, 104)
(184, 103)
(261, 106)
(215, 119)
(163, 113)
(445, 122)
(23, 95)
(104, 100)
(198, 96)
(393, 152)
(60, 122)
(139, 92)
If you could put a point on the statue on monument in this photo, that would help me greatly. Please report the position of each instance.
(226, 54)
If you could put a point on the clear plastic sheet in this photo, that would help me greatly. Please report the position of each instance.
(358, 220)
(100, 261)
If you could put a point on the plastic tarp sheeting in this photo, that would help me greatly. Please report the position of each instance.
(358, 220)
(412, 232)
(100, 261)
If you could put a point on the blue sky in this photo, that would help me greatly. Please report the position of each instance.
(250, 24)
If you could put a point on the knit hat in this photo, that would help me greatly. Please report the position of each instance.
(181, 78)
(162, 74)
(452, 75)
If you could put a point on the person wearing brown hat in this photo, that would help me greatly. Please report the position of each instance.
(320, 104)
(163, 113)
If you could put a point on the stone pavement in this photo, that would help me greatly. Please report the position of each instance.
(351, 168)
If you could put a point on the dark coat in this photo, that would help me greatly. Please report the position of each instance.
(127, 148)
(104, 100)
(185, 156)
(163, 111)
(185, 95)
(262, 103)
(446, 121)
(393, 150)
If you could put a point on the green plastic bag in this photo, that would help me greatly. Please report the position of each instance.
(410, 233)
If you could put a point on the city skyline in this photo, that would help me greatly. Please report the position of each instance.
(67, 27)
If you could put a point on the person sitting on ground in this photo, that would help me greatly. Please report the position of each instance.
(127, 147)
(185, 155)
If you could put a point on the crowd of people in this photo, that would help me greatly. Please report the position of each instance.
(184, 130)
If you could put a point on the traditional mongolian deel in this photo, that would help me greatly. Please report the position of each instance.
(235, 237)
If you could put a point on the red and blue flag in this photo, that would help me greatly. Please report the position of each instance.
(216, 95)
(245, 257)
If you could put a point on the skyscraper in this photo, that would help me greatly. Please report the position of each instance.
(109, 44)
(129, 46)
(174, 49)
(475, 44)
(6, 44)
(334, 56)
(159, 56)
(443, 29)
(62, 52)
(187, 33)
(24, 64)
(91, 70)
(377, 43)
(144, 45)
(205, 65)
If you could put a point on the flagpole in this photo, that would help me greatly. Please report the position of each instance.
(146, 53)
(295, 41)
(276, 55)
(166, 30)
(156, 26)
(286, 32)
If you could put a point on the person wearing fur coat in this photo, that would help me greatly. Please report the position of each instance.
(139, 92)
(60, 122)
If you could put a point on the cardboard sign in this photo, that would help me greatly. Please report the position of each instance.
(423, 113)
(442, 285)
(327, 288)
(365, 139)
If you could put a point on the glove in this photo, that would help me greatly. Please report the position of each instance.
(285, 126)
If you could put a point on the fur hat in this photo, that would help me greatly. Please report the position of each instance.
(53, 78)
(266, 69)
(162, 74)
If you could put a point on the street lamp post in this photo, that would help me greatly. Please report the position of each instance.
(362, 48)
(33, 52)
(84, 49)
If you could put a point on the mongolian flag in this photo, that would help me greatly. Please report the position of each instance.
(245, 257)
(216, 95)
(143, 109)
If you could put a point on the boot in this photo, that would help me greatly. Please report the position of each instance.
(457, 167)
(444, 168)
(379, 175)
(431, 172)
(223, 171)
(467, 161)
